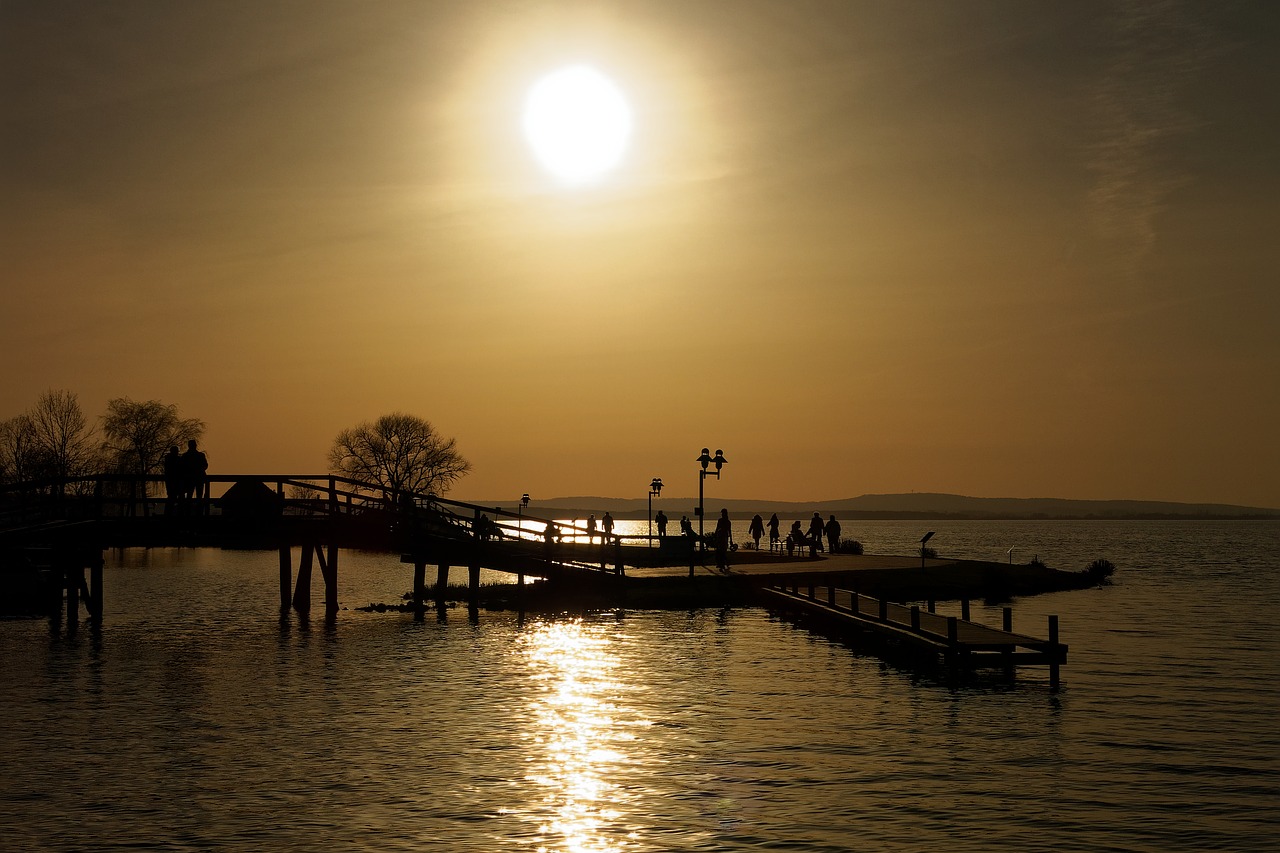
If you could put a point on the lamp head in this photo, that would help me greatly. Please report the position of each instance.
(705, 458)
(719, 460)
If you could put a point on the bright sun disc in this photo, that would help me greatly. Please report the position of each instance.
(577, 122)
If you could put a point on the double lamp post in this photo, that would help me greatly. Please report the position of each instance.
(705, 460)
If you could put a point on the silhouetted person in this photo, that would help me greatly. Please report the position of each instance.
(815, 531)
(550, 534)
(756, 530)
(795, 538)
(194, 466)
(661, 521)
(173, 483)
(832, 529)
(607, 526)
(721, 537)
(773, 529)
(483, 528)
(686, 527)
(591, 529)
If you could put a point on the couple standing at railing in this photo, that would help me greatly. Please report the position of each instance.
(185, 483)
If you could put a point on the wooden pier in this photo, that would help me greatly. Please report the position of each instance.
(61, 528)
(959, 642)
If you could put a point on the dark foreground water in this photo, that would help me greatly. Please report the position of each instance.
(197, 719)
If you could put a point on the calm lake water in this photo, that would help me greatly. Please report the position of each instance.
(197, 718)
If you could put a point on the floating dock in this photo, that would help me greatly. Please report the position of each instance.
(961, 643)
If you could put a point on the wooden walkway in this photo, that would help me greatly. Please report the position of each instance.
(960, 642)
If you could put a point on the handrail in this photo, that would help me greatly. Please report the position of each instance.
(334, 488)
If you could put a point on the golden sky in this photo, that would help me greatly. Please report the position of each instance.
(1021, 249)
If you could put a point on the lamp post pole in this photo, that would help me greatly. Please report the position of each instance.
(524, 502)
(704, 460)
(655, 488)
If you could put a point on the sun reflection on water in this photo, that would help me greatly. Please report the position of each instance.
(577, 738)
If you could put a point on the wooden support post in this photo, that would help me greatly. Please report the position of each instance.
(73, 576)
(286, 577)
(964, 609)
(95, 587)
(419, 590)
(831, 593)
(442, 585)
(302, 589)
(884, 610)
(855, 602)
(1057, 655)
(953, 643)
(812, 596)
(915, 618)
(933, 606)
(617, 558)
(473, 585)
(329, 567)
(1008, 620)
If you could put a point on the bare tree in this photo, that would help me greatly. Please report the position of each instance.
(398, 452)
(63, 439)
(137, 434)
(19, 456)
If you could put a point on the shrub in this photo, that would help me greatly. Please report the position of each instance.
(1100, 570)
(1036, 562)
(928, 553)
(848, 546)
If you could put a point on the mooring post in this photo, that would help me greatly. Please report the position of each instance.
(964, 609)
(473, 585)
(302, 589)
(286, 576)
(419, 589)
(1054, 651)
(933, 606)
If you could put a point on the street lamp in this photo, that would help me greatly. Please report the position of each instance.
(655, 488)
(706, 459)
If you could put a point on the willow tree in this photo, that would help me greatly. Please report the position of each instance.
(398, 453)
(137, 434)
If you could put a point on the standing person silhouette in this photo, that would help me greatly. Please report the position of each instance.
(591, 529)
(661, 521)
(173, 481)
(196, 486)
(832, 529)
(724, 532)
(815, 531)
(773, 529)
(756, 530)
(607, 527)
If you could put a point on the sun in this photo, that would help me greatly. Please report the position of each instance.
(578, 123)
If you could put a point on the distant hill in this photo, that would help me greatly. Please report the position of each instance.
(906, 506)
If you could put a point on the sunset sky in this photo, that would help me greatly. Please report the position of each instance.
(1022, 249)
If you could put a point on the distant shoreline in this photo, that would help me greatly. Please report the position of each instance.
(904, 507)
